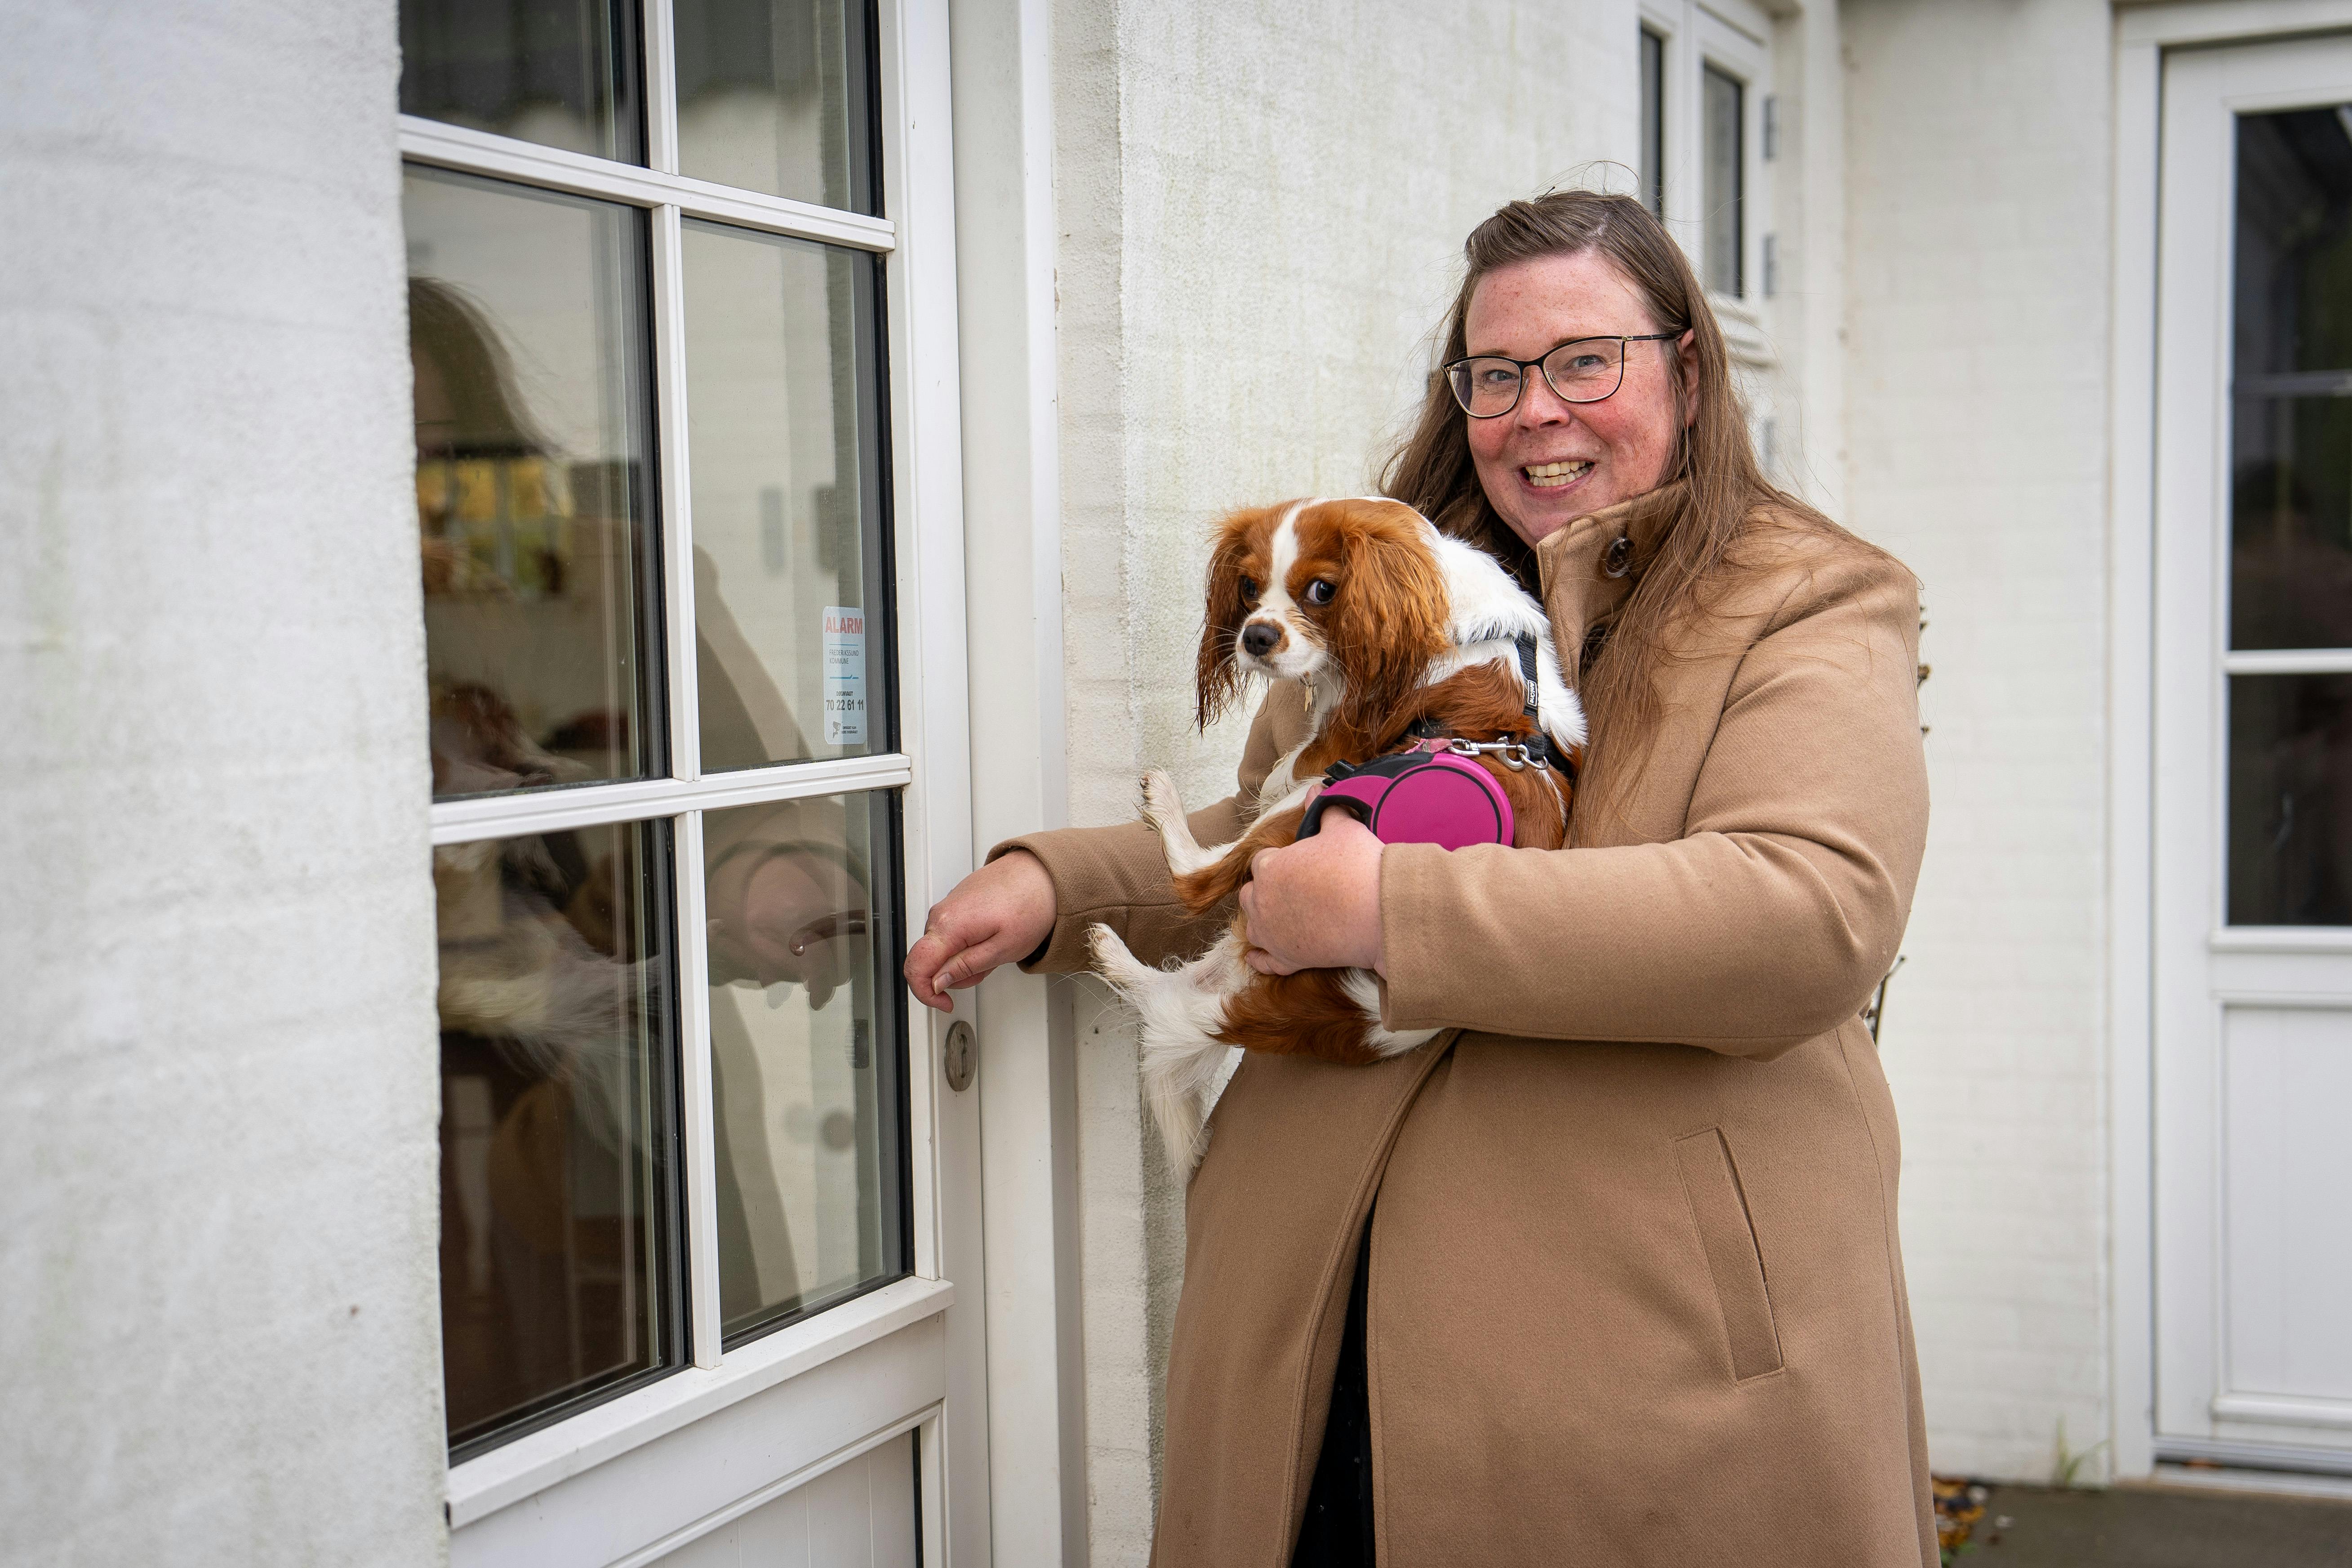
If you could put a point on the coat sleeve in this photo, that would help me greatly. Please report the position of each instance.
(1767, 924)
(1119, 875)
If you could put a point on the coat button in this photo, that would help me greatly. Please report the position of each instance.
(1619, 558)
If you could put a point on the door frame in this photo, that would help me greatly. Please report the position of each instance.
(2144, 35)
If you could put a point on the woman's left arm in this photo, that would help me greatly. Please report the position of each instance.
(1767, 924)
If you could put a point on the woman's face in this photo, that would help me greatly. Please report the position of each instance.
(1547, 463)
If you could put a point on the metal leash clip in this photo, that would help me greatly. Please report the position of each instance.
(1512, 754)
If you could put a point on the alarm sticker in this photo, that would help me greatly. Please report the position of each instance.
(845, 676)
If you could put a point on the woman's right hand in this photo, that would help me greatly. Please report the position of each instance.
(998, 915)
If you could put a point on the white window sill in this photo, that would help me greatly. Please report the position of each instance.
(540, 1459)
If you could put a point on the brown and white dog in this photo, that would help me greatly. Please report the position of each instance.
(1395, 630)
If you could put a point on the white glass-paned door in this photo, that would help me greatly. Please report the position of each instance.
(2253, 847)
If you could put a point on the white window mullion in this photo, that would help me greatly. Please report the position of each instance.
(500, 157)
(700, 1155)
(676, 500)
(661, 89)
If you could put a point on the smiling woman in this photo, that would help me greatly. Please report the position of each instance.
(1617, 1244)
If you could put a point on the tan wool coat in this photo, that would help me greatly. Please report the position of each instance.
(1636, 1296)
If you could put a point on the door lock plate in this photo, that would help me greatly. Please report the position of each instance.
(960, 1057)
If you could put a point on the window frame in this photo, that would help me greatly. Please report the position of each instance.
(892, 1334)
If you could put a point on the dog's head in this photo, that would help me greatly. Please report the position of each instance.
(1345, 592)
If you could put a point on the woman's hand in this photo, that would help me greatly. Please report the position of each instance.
(1316, 903)
(998, 915)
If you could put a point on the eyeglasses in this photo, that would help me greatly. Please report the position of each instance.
(1582, 370)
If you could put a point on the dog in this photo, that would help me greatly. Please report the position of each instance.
(1397, 631)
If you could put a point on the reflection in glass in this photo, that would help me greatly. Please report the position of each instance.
(774, 96)
(1722, 181)
(556, 1118)
(2291, 800)
(806, 1053)
(563, 73)
(2291, 502)
(526, 321)
(783, 402)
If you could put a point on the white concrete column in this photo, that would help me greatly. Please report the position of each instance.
(218, 1139)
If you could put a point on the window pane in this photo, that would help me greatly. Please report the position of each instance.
(1653, 122)
(1724, 230)
(563, 73)
(783, 403)
(2291, 512)
(774, 96)
(557, 1279)
(526, 324)
(807, 1033)
(2291, 800)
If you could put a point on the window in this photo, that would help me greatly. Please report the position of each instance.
(1653, 122)
(646, 331)
(1723, 179)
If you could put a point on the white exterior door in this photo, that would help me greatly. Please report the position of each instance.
(2253, 825)
(681, 284)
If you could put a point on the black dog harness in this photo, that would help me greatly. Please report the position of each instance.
(1513, 754)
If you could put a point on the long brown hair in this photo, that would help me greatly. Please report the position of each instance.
(1432, 471)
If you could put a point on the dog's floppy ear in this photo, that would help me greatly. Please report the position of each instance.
(1390, 616)
(1217, 678)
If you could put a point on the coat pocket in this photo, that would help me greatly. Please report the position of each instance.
(1727, 1234)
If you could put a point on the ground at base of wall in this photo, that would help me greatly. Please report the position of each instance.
(2153, 1527)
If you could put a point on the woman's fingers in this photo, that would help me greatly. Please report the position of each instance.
(933, 964)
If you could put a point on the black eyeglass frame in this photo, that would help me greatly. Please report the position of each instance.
(1537, 364)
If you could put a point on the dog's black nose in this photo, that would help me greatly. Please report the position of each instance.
(1260, 640)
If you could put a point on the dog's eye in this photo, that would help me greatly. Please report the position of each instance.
(1320, 591)
(1249, 590)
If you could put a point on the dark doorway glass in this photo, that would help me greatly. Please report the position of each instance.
(1653, 122)
(534, 414)
(777, 96)
(2291, 497)
(563, 73)
(560, 1241)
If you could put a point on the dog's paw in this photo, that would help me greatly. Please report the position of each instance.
(1112, 959)
(1162, 804)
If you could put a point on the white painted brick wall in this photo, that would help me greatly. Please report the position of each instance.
(217, 1139)
(1262, 209)
(1977, 276)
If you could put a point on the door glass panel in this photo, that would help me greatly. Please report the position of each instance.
(2290, 496)
(557, 1124)
(563, 73)
(2291, 800)
(806, 1043)
(786, 477)
(1723, 240)
(773, 95)
(526, 322)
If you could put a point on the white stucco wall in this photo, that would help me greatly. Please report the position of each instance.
(1262, 209)
(217, 1139)
(1977, 276)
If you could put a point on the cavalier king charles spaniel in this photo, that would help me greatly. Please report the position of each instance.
(1400, 635)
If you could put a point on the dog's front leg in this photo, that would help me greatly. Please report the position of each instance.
(1164, 809)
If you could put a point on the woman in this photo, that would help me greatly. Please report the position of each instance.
(1620, 1245)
